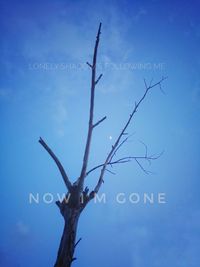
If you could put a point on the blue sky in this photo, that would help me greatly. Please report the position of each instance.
(156, 38)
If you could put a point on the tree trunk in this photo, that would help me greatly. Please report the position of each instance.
(67, 243)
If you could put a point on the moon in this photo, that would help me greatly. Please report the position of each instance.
(110, 137)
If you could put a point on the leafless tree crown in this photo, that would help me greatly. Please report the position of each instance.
(123, 136)
(80, 197)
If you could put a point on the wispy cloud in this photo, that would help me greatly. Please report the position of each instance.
(141, 12)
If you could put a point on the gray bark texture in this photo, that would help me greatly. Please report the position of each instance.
(67, 243)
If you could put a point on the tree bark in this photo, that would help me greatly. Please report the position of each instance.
(67, 243)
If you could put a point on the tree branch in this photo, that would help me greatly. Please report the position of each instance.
(59, 165)
(77, 242)
(125, 160)
(91, 115)
(98, 79)
(119, 146)
(89, 64)
(98, 122)
(123, 132)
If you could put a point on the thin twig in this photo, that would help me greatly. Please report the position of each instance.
(98, 78)
(119, 146)
(77, 242)
(140, 165)
(89, 64)
(110, 172)
(98, 122)
(124, 160)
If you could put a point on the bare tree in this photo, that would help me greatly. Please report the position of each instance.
(78, 196)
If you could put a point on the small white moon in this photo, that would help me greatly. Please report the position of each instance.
(110, 137)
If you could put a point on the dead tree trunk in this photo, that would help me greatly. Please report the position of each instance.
(70, 208)
(77, 197)
(67, 243)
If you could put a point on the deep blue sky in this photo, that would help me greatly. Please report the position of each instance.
(53, 103)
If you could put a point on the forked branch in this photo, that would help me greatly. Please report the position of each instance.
(117, 143)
